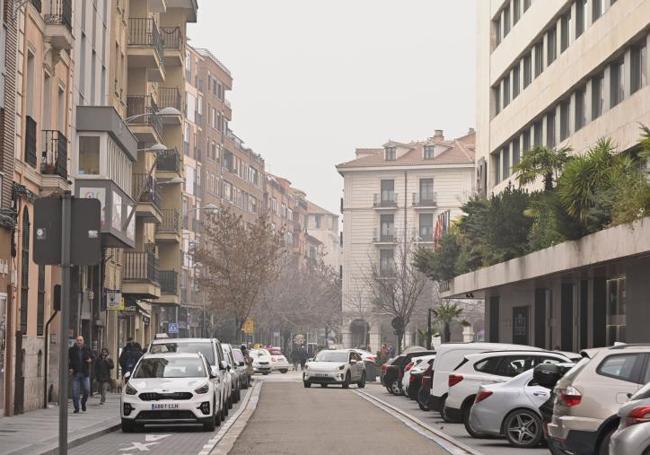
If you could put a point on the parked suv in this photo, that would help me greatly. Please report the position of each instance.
(488, 368)
(393, 371)
(589, 396)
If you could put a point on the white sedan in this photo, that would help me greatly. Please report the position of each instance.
(335, 367)
(170, 388)
(278, 361)
(261, 361)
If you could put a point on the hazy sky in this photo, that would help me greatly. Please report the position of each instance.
(315, 79)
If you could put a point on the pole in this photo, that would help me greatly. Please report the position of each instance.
(429, 334)
(47, 356)
(66, 228)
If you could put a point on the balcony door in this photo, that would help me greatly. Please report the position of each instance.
(387, 190)
(387, 227)
(426, 190)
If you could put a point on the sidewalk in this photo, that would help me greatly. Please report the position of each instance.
(37, 432)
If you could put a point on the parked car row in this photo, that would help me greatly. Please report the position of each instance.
(595, 402)
(184, 380)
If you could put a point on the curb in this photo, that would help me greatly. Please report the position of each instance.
(445, 441)
(83, 439)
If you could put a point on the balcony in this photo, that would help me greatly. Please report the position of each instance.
(169, 287)
(386, 200)
(427, 200)
(168, 164)
(385, 235)
(140, 276)
(173, 45)
(58, 24)
(171, 97)
(148, 208)
(146, 123)
(54, 160)
(30, 141)
(424, 234)
(146, 47)
(170, 227)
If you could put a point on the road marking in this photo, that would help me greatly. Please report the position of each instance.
(445, 441)
(142, 447)
(155, 437)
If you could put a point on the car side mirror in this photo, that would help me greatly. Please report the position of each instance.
(241, 363)
(224, 365)
(214, 372)
(127, 375)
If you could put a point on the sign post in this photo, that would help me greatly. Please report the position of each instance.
(66, 228)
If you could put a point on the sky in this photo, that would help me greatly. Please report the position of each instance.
(313, 80)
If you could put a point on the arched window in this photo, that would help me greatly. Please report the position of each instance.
(24, 273)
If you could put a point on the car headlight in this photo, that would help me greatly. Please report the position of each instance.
(342, 367)
(130, 390)
(203, 389)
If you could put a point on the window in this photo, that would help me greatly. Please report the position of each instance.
(565, 31)
(537, 133)
(616, 312)
(89, 155)
(387, 228)
(317, 221)
(516, 11)
(580, 111)
(506, 21)
(639, 63)
(617, 80)
(391, 153)
(581, 17)
(426, 227)
(497, 30)
(496, 159)
(489, 366)
(516, 153)
(564, 120)
(527, 4)
(426, 190)
(516, 82)
(528, 75)
(506, 91)
(497, 98)
(539, 58)
(551, 46)
(386, 262)
(597, 9)
(511, 366)
(24, 273)
(505, 162)
(597, 96)
(387, 191)
(550, 129)
(429, 152)
(525, 141)
(621, 366)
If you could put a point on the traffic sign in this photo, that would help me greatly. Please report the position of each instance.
(172, 327)
(249, 327)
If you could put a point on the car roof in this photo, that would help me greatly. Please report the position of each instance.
(501, 353)
(486, 346)
(177, 355)
(182, 340)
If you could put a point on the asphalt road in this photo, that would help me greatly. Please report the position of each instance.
(293, 420)
(456, 430)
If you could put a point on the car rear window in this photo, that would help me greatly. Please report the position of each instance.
(623, 366)
(490, 366)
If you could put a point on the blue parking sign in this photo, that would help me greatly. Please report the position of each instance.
(172, 327)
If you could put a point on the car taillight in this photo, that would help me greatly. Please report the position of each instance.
(409, 366)
(570, 396)
(412, 378)
(637, 415)
(482, 395)
(454, 379)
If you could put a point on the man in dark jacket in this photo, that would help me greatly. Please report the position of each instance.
(80, 359)
(103, 367)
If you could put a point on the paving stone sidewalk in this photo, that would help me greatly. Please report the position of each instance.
(37, 432)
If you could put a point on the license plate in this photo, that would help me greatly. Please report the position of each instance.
(322, 375)
(158, 406)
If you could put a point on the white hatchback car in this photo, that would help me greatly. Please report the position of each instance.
(261, 361)
(170, 388)
(489, 368)
(335, 367)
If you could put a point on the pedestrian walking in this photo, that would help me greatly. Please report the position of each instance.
(130, 355)
(302, 357)
(80, 359)
(295, 357)
(103, 367)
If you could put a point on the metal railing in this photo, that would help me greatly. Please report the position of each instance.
(145, 107)
(60, 13)
(168, 161)
(143, 32)
(54, 160)
(141, 266)
(30, 141)
(144, 185)
(172, 38)
(170, 97)
(169, 282)
(385, 199)
(385, 235)
(425, 234)
(171, 220)
(428, 199)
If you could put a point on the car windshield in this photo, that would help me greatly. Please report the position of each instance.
(204, 348)
(239, 357)
(169, 367)
(260, 353)
(332, 356)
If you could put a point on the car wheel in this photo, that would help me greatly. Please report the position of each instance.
(362, 383)
(395, 388)
(388, 389)
(423, 399)
(466, 412)
(443, 413)
(603, 447)
(323, 386)
(265, 373)
(210, 423)
(283, 371)
(346, 382)
(523, 429)
(129, 426)
(307, 384)
(230, 402)
(218, 416)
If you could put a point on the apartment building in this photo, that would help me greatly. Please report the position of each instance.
(562, 73)
(323, 225)
(395, 195)
(286, 208)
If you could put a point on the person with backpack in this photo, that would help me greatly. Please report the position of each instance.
(130, 355)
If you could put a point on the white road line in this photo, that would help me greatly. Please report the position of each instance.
(442, 439)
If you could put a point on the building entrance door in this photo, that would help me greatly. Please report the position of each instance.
(520, 325)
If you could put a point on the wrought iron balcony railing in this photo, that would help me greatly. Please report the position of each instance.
(171, 220)
(54, 160)
(59, 13)
(141, 266)
(144, 111)
(169, 282)
(143, 32)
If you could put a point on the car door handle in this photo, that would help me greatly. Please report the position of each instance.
(540, 394)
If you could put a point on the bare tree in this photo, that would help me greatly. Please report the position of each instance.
(396, 287)
(238, 261)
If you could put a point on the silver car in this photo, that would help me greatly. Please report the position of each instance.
(633, 434)
(510, 409)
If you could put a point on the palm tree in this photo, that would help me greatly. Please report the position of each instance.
(542, 162)
(445, 313)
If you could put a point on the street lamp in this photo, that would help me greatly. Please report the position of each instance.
(164, 112)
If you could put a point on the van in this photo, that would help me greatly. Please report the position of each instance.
(449, 356)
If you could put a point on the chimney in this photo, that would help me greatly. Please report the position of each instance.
(471, 130)
(439, 136)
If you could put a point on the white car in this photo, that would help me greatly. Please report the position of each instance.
(170, 388)
(417, 365)
(343, 367)
(278, 361)
(488, 368)
(449, 356)
(261, 361)
(365, 355)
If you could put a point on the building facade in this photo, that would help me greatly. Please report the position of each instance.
(562, 73)
(323, 225)
(392, 196)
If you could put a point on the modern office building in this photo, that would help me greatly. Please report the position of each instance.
(562, 73)
(394, 197)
